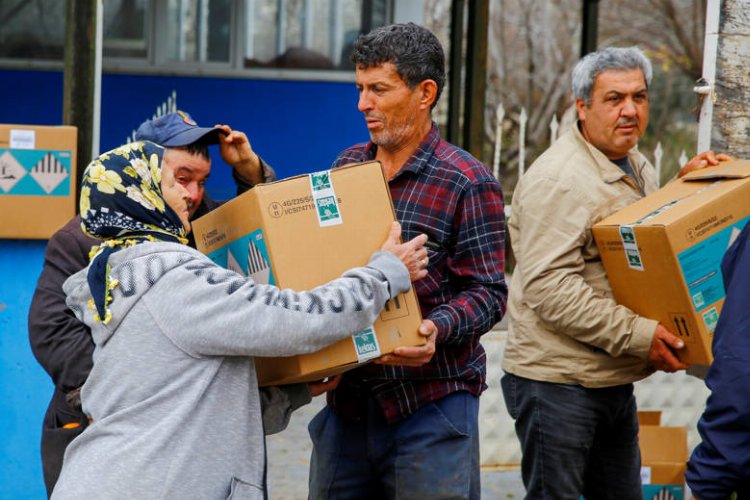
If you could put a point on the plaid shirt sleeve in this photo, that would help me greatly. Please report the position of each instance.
(449, 195)
(476, 264)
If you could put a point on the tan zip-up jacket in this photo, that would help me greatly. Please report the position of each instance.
(565, 326)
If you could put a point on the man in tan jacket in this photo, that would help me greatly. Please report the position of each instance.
(572, 352)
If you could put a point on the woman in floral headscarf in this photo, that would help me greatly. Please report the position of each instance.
(173, 395)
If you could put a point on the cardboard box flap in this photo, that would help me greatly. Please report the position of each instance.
(657, 204)
(649, 417)
(658, 208)
(736, 169)
(267, 185)
(663, 444)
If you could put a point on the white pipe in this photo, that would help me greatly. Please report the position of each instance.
(710, 53)
(97, 104)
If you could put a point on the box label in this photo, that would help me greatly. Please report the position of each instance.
(681, 328)
(326, 204)
(701, 266)
(630, 246)
(366, 344)
(711, 318)
(247, 256)
(645, 474)
(30, 172)
(22, 139)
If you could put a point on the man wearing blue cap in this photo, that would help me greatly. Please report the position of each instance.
(62, 344)
(187, 152)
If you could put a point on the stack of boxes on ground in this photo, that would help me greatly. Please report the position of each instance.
(663, 259)
(302, 232)
(664, 455)
(37, 179)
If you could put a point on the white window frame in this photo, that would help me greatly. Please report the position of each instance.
(157, 63)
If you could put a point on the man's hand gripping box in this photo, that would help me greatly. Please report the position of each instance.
(663, 253)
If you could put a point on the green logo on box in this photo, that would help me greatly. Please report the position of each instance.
(366, 344)
(627, 235)
(633, 258)
(711, 317)
(327, 208)
(320, 181)
(698, 300)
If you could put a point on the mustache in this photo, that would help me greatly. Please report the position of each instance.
(626, 121)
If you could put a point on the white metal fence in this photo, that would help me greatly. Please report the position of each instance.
(657, 159)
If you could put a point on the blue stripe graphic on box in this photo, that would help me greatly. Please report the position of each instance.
(247, 256)
(701, 266)
(663, 492)
(29, 172)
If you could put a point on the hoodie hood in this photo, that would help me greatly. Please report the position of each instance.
(136, 270)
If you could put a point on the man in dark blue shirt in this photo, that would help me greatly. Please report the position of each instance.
(720, 464)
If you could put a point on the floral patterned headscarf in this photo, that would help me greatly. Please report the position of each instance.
(122, 204)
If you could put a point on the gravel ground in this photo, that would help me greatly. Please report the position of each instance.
(289, 459)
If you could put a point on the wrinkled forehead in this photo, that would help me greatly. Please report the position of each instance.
(630, 80)
(180, 161)
(385, 72)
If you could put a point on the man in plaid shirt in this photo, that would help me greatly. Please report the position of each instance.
(406, 426)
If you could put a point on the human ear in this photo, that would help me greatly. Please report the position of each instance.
(581, 110)
(428, 93)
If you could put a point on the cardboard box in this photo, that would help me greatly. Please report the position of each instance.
(37, 179)
(649, 417)
(305, 231)
(663, 253)
(664, 455)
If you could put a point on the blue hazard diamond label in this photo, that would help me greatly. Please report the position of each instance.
(31, 172)
(247, 256)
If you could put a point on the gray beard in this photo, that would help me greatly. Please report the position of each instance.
(391, 139)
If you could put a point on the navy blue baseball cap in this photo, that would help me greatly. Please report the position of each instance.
(175, 130)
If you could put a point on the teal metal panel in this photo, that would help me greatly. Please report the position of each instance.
(25, 389)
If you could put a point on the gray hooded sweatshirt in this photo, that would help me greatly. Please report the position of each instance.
(173, 394)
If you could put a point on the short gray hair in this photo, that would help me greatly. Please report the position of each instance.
(611, 58)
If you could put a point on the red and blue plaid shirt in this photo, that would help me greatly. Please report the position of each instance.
(451, 196)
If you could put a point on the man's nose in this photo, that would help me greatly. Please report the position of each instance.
(629, 108)
(193, 192)
(364, 103)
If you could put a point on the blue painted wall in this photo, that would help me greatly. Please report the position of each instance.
(296, 126)
(25, 388)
